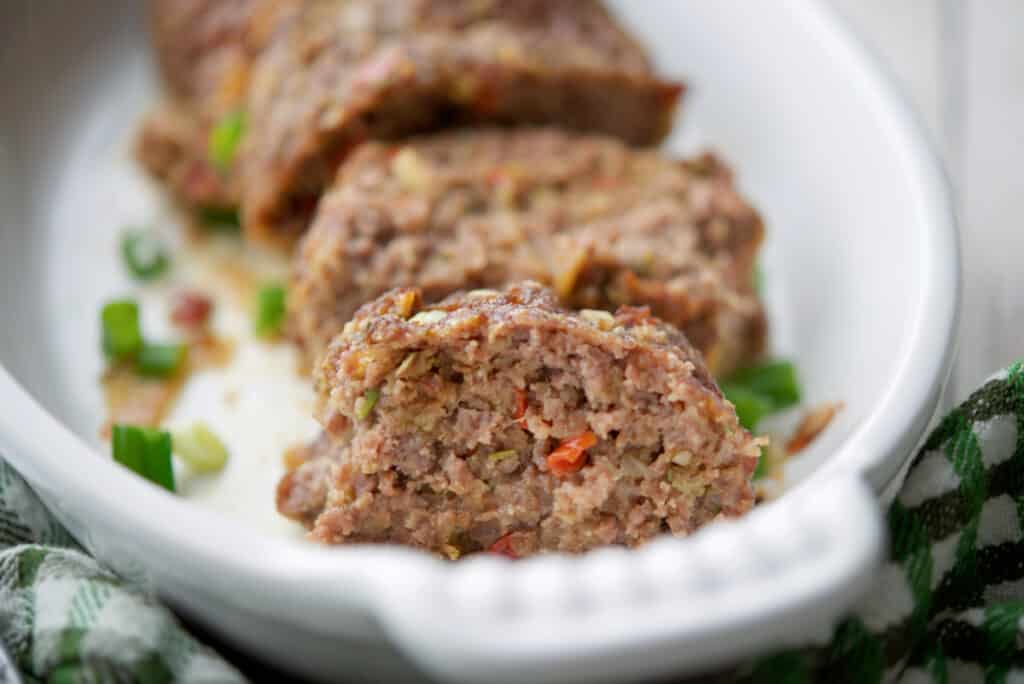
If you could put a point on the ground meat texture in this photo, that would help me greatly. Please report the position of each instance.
(204, 50)
(452, 427)
(199, 44)
(172, 146)
(341, 72)
(602, 223)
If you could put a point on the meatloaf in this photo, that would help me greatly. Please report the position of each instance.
(321, 76)
(603, 223)
(339, 73)
(501, 421)
(204, 51)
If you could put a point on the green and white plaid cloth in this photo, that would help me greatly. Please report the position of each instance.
(65, 619)
(947, 606)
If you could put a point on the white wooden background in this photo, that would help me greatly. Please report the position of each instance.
(962, 63)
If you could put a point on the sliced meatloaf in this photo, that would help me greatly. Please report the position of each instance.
(340, 72)
(498, 420)
(603, 223)
(317, 77)
(204, 50)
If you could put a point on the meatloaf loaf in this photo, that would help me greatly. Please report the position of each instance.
(602, 223)
(498, 420)
(321, 76)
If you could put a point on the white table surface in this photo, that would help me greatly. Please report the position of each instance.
(962, 64)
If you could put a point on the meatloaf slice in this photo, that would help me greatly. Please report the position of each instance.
(339, 72)
(498, 420)
(204, 50)
(603, 223)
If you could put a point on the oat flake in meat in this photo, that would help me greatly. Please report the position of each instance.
(602, 223)
(500, 421)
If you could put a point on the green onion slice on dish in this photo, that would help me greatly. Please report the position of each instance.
(122, 336)
(200, 448)
(762, 465)
(145, 451)
(775, 381)
(270, 311)
(225, 139)
(751, 407)
(161, 360)
(144, 255)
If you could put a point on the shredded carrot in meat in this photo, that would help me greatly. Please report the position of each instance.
(520, 416)
(569, 456)
(503, 547)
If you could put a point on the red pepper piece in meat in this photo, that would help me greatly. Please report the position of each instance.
(570, 454)
(520, 416)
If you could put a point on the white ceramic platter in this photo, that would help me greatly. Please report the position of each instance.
(862, 275)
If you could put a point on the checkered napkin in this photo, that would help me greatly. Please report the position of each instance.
(947, 607)
(65, 619)
(948, 604)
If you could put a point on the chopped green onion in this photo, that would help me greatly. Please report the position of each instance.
(365, 403)
(145, 451)
(144, 254)
(751, 407)
(221, 219)
(270, 312)
(758, 280)
(502, 455)
(200, 449)
(225, 139)
(122, 336)
(775, 381)
(161, 360)
(762, 465)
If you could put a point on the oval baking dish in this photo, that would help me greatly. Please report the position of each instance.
(862, 288)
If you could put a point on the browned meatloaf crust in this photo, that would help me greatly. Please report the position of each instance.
(501, 421)
(321, 76)
(603, 223)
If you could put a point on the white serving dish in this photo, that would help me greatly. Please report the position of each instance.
(862, 271)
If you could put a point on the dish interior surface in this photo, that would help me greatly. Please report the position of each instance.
(846, 263)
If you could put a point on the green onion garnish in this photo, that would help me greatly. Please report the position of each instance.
(365, 403)
(144, 254)
(270, 311)
(775, 381)
(220, 219)
(751, 407)
(762, 465)
(225, 139)
(145, 451)
(200, 449)
(122, 336)
(758, 280)
(161, 360)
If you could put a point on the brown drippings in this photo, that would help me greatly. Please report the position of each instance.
(811, 425)
(210, 351)
(136, 400)
(133, 399)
